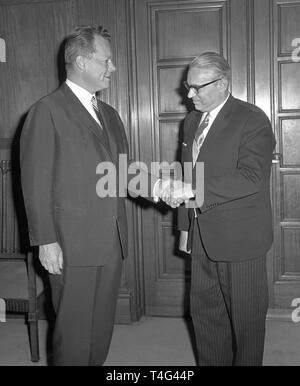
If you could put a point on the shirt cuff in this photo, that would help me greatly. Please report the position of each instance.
(155, 192)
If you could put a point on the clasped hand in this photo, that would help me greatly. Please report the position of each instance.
(175, 192)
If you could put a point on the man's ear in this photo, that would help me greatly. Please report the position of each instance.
(80, 63)
(223, 83)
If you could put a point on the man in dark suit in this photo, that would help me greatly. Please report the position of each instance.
(230, 234)
(81, 233)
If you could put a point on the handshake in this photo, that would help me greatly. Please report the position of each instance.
(173, 192)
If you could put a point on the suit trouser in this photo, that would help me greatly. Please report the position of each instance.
(229, 304)
(85, 301)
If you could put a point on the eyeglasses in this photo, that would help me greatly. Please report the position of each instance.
(196, 88)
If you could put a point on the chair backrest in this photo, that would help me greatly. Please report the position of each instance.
(13, 270)
(18, 284)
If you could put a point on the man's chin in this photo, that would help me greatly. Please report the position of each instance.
(198, 106)
(104, 85)
(106, 82)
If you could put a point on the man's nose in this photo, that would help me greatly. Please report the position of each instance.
(191, 93)
(111, 67)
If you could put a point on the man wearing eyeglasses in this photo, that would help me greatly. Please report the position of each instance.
(229, 235)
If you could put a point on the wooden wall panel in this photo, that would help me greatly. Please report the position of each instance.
(237, 58)
(261, 56)
(290, 139)
(22, 82)
(291, 243)
(291, 196)
(188, 31)
(169, 140)
(289, 75)
(283, 296)
(288, 24)
(169, 90)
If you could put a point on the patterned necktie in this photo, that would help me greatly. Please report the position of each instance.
(199, 136)
(96, 109)
(103, 132)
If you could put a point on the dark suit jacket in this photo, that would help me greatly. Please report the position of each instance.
(61, 146)
(235, 219)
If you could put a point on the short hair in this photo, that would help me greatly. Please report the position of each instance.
(212, 61)
(81, 41)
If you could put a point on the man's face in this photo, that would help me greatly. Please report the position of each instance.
(208, 97)
(99, 67)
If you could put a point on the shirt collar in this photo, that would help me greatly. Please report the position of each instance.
(213, 113)
(82, 94)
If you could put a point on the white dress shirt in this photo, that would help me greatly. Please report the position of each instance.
(84, 96)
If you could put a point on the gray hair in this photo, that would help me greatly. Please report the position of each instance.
(81, 41)
(212, 61)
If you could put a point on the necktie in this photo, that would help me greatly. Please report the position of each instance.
(199, 137)
(96, 109)
(98, 114)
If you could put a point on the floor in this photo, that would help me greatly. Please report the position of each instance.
(153, 341)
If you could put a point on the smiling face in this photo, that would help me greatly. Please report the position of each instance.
(210, 96)
(99, 66)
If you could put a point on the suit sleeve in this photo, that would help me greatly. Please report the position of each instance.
(37, 154)
(183, 220)
(252, 170)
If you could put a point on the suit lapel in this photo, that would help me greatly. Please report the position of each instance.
(109, 128)
(187, 146)
(219, 124)
(190, 135)
(80, 113)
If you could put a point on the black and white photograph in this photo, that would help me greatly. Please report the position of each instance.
(149, 186)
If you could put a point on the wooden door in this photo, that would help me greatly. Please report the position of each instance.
(285, 24)
(256, 37)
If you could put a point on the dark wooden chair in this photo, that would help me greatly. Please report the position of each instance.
(20, 287)
(19, 290)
